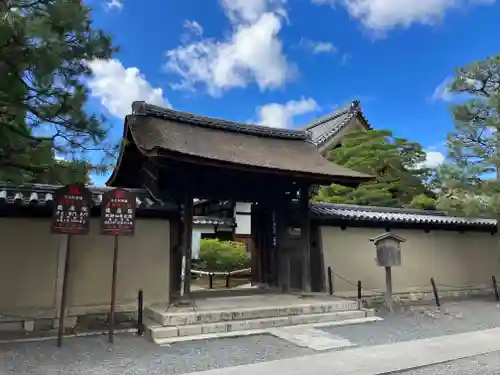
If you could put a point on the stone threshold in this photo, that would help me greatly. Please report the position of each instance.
(263, 331)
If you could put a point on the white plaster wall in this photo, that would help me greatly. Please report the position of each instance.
(29, 262)
(204, 228)
(244, 222)
(143, 263)
(453, 259)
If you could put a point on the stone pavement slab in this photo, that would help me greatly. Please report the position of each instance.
(311, 338)
(376, 360)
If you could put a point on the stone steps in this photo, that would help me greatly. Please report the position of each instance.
(180, 317)
(159, 333)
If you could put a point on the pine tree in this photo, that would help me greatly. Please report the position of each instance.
(470, 181)
(44, 49)
(395, 163)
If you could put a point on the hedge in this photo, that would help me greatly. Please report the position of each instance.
(216, 255)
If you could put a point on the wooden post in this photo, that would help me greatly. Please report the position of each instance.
(305, 238)
(64, 294)
(113, 292)
(187, 218)
(283, 265)
(436, 294)
(140, 310)
(495, 288)
(388, 289)
(360, 294)
(330, 281)
(255, 256)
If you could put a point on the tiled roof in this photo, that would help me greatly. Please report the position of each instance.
(41, 194)
(323, 129)
(392, 215)
(206, 220)
(143, 108)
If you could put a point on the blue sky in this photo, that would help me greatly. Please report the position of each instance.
(284, 63)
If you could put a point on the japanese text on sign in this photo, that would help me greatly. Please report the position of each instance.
(118, 214)
(72, 209)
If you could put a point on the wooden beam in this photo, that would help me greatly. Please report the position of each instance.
(306, 177)
(305, 234)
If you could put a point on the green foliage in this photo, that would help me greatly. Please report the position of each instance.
(394, 162)
(44, 49)
(470, 181)
(423, 202)
(216, 255)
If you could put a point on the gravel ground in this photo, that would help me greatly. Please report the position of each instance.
(423, 322)
(488, 364)
(136, 356)
(132, 355)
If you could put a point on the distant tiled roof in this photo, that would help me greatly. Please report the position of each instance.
(392, 215)
(206, 220)
(167, 132)
(323, 129)
(41, 194)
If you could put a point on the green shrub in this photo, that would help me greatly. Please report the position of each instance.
(216, 255)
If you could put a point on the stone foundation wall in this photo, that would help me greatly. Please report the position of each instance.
(423, 296)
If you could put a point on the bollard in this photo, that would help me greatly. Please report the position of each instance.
(435, 291)
(210, 280)
(228, 275)
(140, 308)
(495, 287)
(330, 282)
(359, 295)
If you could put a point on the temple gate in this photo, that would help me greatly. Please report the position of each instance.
(179, 156)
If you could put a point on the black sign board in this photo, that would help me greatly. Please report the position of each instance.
(71, 210)
(118, 213)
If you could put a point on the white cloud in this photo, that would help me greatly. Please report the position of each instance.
(252, 53)
(346, 57)
(117, 87)
(193, 27)
(433, 159)
(318, 47)
(442, 91)
(249, 11)
(113, 4)
(282, 115)
(383, 15)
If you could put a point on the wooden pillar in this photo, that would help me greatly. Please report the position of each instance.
(283, 258)
(305, 234)
(176, 229)
(186, 242)
(256, 250)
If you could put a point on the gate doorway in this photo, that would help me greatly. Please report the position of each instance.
(179, 156)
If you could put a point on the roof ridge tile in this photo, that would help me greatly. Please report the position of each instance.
(145, 109)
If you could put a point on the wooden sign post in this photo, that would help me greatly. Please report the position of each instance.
(388, 246)
(71, 216)
(117, 219)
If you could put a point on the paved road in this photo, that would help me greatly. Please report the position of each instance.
(488, 364)
(379, 359)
